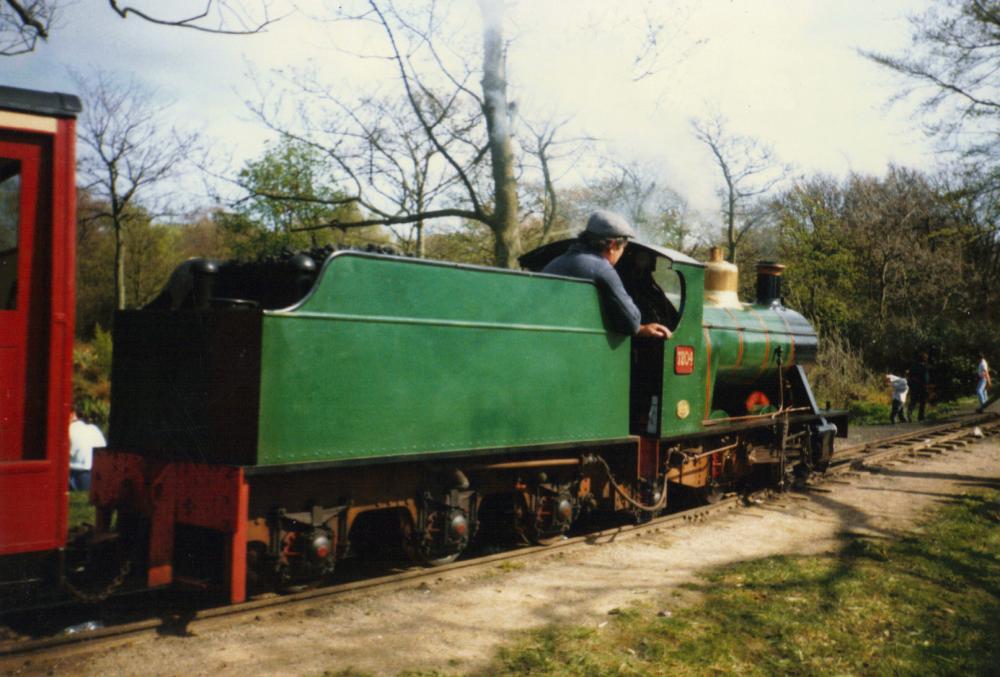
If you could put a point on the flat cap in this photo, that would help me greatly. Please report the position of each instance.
(604, 223)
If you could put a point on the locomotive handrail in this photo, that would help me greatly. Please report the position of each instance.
(754, 417)
(390, 319)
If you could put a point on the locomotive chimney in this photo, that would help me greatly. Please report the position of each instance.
(769, 283)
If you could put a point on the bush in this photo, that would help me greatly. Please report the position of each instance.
(92, 378)
(841, 377)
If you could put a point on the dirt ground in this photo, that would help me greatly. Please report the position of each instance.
(456, 624)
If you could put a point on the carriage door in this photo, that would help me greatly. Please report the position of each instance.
(21, 424)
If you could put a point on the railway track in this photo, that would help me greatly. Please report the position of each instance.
(26, 655)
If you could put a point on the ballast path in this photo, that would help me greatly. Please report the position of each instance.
(452, 619)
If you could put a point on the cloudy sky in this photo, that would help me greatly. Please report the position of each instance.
(784, 71)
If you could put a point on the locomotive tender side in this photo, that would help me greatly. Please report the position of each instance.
(436, 358)
(385, 357)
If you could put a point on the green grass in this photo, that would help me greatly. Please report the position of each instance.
(924, 604)
(866, 412)
(80, 510)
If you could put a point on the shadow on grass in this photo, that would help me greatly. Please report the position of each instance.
(893, 604)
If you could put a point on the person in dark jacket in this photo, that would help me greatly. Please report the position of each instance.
(918, 380)
(593, 257)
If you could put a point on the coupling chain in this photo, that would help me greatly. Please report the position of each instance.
(95, 597)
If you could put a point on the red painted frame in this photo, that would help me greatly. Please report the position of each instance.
(33, 492)
(166, 494)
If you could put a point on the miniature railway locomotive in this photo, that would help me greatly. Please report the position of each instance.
(270, 419)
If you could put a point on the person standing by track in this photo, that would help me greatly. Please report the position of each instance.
(83, 438)
(899, 390)
(985, 382)
(918, 381)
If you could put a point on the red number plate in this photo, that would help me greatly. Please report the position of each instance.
(683, 359)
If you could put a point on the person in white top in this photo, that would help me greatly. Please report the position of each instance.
(899, 391)
(83, 438)
(983, 373)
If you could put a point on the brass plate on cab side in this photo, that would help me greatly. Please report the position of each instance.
(683, 409)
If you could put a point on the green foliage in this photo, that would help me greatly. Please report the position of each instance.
(841, 377)
(289, 190)
(92, 377)
(470, 243)
(102, 349)
(926, 604)
(896, 265)
(153, 250)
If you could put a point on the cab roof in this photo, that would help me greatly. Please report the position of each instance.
(40, 103)
(538, 258)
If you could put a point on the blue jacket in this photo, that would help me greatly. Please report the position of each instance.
(579, 261)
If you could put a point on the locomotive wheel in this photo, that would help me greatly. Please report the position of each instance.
(544, 520)
(442, 540)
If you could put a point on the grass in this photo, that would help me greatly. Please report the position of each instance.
(928, 603)
(867, 412)
(80, 510)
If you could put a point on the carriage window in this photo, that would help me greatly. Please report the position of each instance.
(10, 203)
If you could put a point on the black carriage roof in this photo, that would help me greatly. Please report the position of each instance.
(537, 259)
(42, 103)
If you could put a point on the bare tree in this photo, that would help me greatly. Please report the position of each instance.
(953, 65)
(546, 150)
(24, 22)
(127, 148)
(638, 190)
(749, 171)
(447, 151)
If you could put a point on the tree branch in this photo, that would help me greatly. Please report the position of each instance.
(192, 21)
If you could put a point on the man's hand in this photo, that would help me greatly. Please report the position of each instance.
(654, 329)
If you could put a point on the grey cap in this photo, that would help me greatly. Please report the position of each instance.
(604, 223)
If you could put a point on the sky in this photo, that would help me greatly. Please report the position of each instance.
(786, 72)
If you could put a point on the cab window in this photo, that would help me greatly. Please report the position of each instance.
(654, 285)
(670, 282)
(10, 208)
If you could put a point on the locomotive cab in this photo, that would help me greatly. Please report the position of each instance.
(666, 287)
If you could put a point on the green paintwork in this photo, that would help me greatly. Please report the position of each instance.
(716, 335)
(689, 388)
(750, 343)
(764, 330)
(391, 357)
